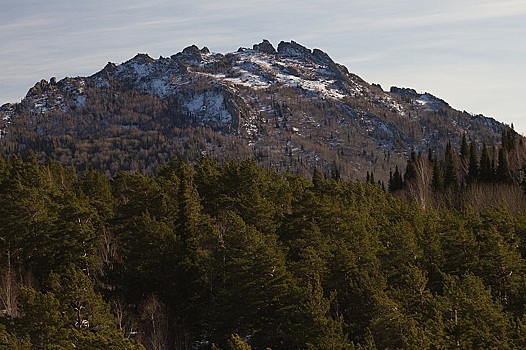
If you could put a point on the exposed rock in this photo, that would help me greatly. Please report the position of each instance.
(142, 58)
(293, 49)
(321, 57)
(266, 47)
(403, 91)
(109, 69)
(190, 55)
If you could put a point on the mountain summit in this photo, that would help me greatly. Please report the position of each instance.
(290, 107)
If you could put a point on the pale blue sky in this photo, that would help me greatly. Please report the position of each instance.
(469, 53)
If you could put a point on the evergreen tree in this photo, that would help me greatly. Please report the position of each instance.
(236, 343)
(473, 167)
(410, 171)
(508, 139)
(486, 170)
(88, 317)
(10, 341)
(42, 320)
(464, 149)
(438, 177)
(255, 296)
(450, 171)
(471, 318)
(502, 173)
(395, 181)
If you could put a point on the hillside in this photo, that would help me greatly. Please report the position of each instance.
(290, 108)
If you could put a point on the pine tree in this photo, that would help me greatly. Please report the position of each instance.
(42, 320)
(255, 296)
(236, 343)
(472, 320)
(88, 316)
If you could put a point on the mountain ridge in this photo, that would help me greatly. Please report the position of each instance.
(291, 108)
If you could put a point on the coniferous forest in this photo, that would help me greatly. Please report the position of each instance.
(232, 255)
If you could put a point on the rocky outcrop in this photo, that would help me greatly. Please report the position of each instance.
(266, 47)
(293, 49)
(191, 55)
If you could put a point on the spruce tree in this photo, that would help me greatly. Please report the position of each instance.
(486, 170)
(395, 181)
(473, 167)
(450, 171)
(410, 171)
(502, 173)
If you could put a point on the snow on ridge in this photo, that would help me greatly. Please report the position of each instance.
(423, 99)
(429, 102)
(256, 71)
(7, 111)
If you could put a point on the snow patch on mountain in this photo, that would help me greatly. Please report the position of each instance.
(210, 106)
(393, 105)
(7, 111)
(257, 71)
(80, 101)
(429, 102)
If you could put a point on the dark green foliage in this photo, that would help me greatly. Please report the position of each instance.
(502, 173)
(395, 181)
(243, 257)
(42, 320)
(486, 169)
(473, 166)
(438, 177)
(450, 171)
(410, 171)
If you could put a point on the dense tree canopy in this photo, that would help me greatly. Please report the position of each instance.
(234, 256)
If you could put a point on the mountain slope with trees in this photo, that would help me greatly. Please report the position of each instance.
(290, 108)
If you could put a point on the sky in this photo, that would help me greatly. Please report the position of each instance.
(470, 53)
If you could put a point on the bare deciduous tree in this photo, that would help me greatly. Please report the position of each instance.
(419, 188)
(155, 320)
(8, 289)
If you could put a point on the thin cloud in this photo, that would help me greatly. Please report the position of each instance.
(460, 13)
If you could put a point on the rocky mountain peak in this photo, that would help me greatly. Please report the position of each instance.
(293, 49)
(191, 55)
(266, 47)
(290, 107)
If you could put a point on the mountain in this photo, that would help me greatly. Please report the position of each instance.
(290, 108)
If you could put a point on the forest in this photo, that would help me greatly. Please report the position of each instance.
(232, 255)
